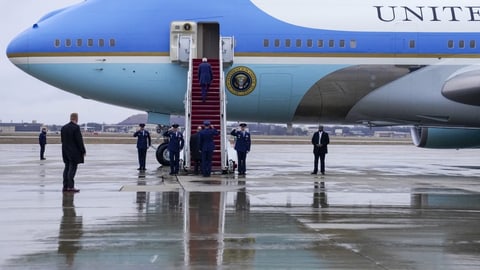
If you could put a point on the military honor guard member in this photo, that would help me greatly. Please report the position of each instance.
(320, 140)
(207, 146)
(242, 146)
(175, 145)
(143, 143)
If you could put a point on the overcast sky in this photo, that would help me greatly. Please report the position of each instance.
(24, 98)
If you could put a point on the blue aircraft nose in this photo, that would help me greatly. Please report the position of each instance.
(18, 50)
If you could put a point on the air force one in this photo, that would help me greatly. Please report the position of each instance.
(376, 62)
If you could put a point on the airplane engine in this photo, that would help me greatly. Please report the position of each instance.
(445, 138)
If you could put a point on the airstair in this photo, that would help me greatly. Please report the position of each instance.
(212, 110)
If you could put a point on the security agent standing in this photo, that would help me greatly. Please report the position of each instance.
(143, 143)
(207, 146)
(320, 140)
(242, 146)
(73, 152)
(175, 145)
(195, 151)
(42, 140)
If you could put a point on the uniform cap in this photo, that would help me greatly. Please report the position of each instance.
(243, 125)
(142, 124)
(175, 125)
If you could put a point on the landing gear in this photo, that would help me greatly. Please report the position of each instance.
(162, 154)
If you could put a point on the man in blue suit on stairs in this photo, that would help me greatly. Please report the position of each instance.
(205, 77)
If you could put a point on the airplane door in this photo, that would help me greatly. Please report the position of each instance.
(180, 34)
(184, 49)
(208, 40)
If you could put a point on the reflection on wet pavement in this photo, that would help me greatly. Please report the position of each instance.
(375, 210)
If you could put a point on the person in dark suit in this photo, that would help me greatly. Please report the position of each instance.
(175, 145)
(242, 146)
(205, 77)
(207, 146)
(320, 140)
(42, 140)
(195, 151)
(73, 152)
(143, 143)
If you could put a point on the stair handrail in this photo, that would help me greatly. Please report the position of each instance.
(188, 108)
(223, 111)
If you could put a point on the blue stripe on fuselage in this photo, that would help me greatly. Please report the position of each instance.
(143, 26)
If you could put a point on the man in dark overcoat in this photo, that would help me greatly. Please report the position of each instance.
(73, 152)
(42, 141)
(195, 151)
(207, 146)
(320, 140)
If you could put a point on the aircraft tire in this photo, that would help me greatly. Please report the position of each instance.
(162, 155)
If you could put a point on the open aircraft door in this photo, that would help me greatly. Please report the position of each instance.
(180, 34)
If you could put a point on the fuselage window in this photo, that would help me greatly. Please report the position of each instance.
(309, 43)
(450, 44)
(266, 43)
(341, 43)
(276, 43)
(79, 42)
(331, 43)
(461, 44)
(288, 43)
(353, 44)
(298, 43)
(472, 44)
(112, 42)
(57, 43)
(68, 42)
(101, 42)
(90, 42)
(411, 44)
(320, 43)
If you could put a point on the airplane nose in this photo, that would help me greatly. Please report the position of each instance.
(17, 51)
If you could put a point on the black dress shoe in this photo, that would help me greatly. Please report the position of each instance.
(323, 173)
(74, 190)
(313, 173)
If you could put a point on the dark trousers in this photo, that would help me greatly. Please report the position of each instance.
(142, 157)
(242, 162)
(205, 87)
(68, 174)
(197, 162)
(318, 156)
(207, 163)
(174, 162)
(42, 151)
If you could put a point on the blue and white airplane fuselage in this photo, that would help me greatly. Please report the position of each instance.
(377, 62)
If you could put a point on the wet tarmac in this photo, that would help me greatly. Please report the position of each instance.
(377, 207)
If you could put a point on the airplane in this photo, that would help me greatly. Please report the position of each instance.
(377, 63)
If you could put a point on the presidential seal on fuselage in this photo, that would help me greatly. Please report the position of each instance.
(241, 81)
